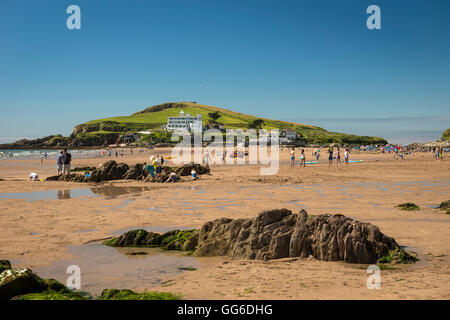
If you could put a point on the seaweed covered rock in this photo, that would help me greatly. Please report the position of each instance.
(83, 169)
(445, 205)
(51, 295)
(114, 294)
(110, 170)
(15, 282)
(136, 172)
(408, 206)
(184, 240)
(279, 234)
(4, 265)
(186, 169)
(73, 177)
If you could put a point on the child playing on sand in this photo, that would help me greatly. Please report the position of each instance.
(194, 174)
(173, 177)
(34, 176)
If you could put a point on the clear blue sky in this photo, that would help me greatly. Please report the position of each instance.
(308, 61)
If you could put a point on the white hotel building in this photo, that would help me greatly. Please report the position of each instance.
(184, 123)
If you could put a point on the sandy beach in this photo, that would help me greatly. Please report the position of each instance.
(42, 222)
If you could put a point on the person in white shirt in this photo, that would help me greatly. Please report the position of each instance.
(34, 176)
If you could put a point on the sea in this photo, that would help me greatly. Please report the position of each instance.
(25, 154)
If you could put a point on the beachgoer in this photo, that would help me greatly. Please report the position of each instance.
(34, 176)
(302, 158)
(206, 157)
(60, 162)
(292, 157)
(67, 160)
(330, 155)
(338, 157)
(346, 155)
(194, 174)
(173, 177)
(42, 160)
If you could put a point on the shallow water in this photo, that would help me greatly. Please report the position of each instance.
(49, 194)
(108, 192)
(104, 267)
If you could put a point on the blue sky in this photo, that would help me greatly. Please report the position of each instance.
(308, 61)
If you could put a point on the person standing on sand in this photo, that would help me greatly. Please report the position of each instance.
(42, 160)
(330, 156)
(67, 160)
(60, 162)
(338, 157)
(292, 157)
(302, 158)
(346, 155)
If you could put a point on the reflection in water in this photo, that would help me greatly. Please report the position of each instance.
(63, 194)
(114, 192)
(105, 267)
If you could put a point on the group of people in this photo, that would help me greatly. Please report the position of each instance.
(155, 169)
(333, 155)
(63, 161)
(438, 153)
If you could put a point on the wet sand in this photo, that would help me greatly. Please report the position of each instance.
(39, 230)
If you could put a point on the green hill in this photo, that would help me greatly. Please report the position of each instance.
(111, 130)
(153, 118)
(446, 134)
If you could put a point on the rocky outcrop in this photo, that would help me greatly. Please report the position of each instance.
(15, 282)
(277, 234)
(136, 172)
(110, 170)
(184, 240)
(186, 169)
(73, 177)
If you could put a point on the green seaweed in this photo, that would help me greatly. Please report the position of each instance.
(52, 295)
(397, 256)
(184, 240)
(408, 206)
(114, 294)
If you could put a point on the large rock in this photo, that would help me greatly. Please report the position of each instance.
(136, 172)
(186, 169)
(279, 234)
(15, 282)
(110, 170)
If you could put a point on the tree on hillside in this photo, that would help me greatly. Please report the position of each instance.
(213, 116)
(256, 124)
(446, 134)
